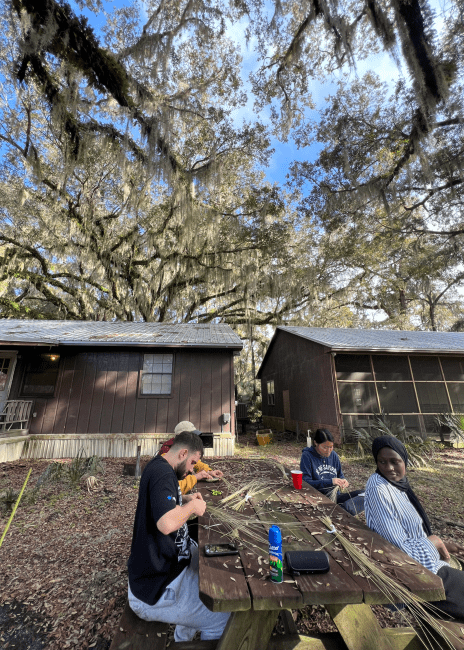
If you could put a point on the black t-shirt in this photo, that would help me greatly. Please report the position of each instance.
(156, 559)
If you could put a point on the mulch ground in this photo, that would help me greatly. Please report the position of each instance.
(64, 577)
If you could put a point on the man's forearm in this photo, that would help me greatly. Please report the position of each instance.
(174, 519)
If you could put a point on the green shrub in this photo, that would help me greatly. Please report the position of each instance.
(72, 472)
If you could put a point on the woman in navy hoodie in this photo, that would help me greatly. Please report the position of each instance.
(322, 470)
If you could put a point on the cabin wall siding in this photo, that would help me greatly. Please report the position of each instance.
(303, 368)
(97, 391)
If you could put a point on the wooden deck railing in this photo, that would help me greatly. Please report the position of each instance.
(15, 414)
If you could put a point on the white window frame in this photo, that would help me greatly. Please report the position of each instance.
(159, 367)
(270, 387)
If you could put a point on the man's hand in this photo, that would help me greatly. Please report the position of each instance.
(198, 503)
(192, 504)
(200, 476)
(341, 482)
(216, 473)
(440, 546)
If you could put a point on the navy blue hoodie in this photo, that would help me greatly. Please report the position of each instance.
(319, 471)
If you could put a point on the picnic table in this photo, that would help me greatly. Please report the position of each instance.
(241, 584)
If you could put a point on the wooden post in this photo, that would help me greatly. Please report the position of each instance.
(297, 431)
(248, 630)
(359, 627)
(138, 473)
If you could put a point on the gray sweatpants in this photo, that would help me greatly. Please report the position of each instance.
(180, 604)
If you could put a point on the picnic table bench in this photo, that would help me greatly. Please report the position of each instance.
(241, 585)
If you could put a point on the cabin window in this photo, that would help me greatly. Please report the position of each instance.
(4, 365)
(271, 393)
(40, 376)
(157, 374)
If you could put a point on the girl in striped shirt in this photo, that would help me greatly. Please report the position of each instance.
(394, 511)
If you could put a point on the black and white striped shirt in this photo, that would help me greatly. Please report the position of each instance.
(390, 513)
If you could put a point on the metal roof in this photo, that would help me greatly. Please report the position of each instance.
(358, 340)
(388, 340)
(54, 332)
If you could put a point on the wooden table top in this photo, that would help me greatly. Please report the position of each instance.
(238, 583)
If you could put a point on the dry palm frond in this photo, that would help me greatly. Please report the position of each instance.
(238, 499)
(251, 528)
(93, 483)
(332, 494)
(281, 468)
(394, 591)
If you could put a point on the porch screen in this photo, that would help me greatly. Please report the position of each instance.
(397, 397)
(353, 367)
(411, 389)
(157, 374)
(453, 369)
(456, 392)
(357, 397)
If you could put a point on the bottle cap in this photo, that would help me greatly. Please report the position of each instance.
(275, 536)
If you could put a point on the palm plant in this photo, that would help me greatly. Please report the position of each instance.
(454, 422)
(416, 446)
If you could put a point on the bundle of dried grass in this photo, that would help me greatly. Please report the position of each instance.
(332, 494)
(238, 499)
(394, 592)
(250, 527)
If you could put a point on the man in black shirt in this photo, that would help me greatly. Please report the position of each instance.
(163, 564)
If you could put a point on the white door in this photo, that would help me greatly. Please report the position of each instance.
(7, 366)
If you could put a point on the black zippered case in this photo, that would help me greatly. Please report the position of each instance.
(299, 562)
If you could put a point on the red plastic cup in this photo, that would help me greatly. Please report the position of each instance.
(297, 478)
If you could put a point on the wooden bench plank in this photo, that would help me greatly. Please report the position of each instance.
(135, 634)
(401, 638)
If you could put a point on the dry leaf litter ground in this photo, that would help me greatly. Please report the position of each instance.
(63, 580)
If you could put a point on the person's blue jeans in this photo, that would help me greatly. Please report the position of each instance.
(352, 502)
(180, 604)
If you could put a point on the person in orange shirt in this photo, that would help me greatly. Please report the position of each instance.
(202, 470)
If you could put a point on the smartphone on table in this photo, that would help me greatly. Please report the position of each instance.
(220, 549)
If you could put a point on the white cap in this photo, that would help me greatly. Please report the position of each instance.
(184, 426)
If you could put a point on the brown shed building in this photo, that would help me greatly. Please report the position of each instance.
(107, 387)
(340, 378)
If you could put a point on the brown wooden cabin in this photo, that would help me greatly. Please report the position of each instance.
(108, 386)
(340, 378)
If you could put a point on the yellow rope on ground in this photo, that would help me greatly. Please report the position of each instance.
(15, 508)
